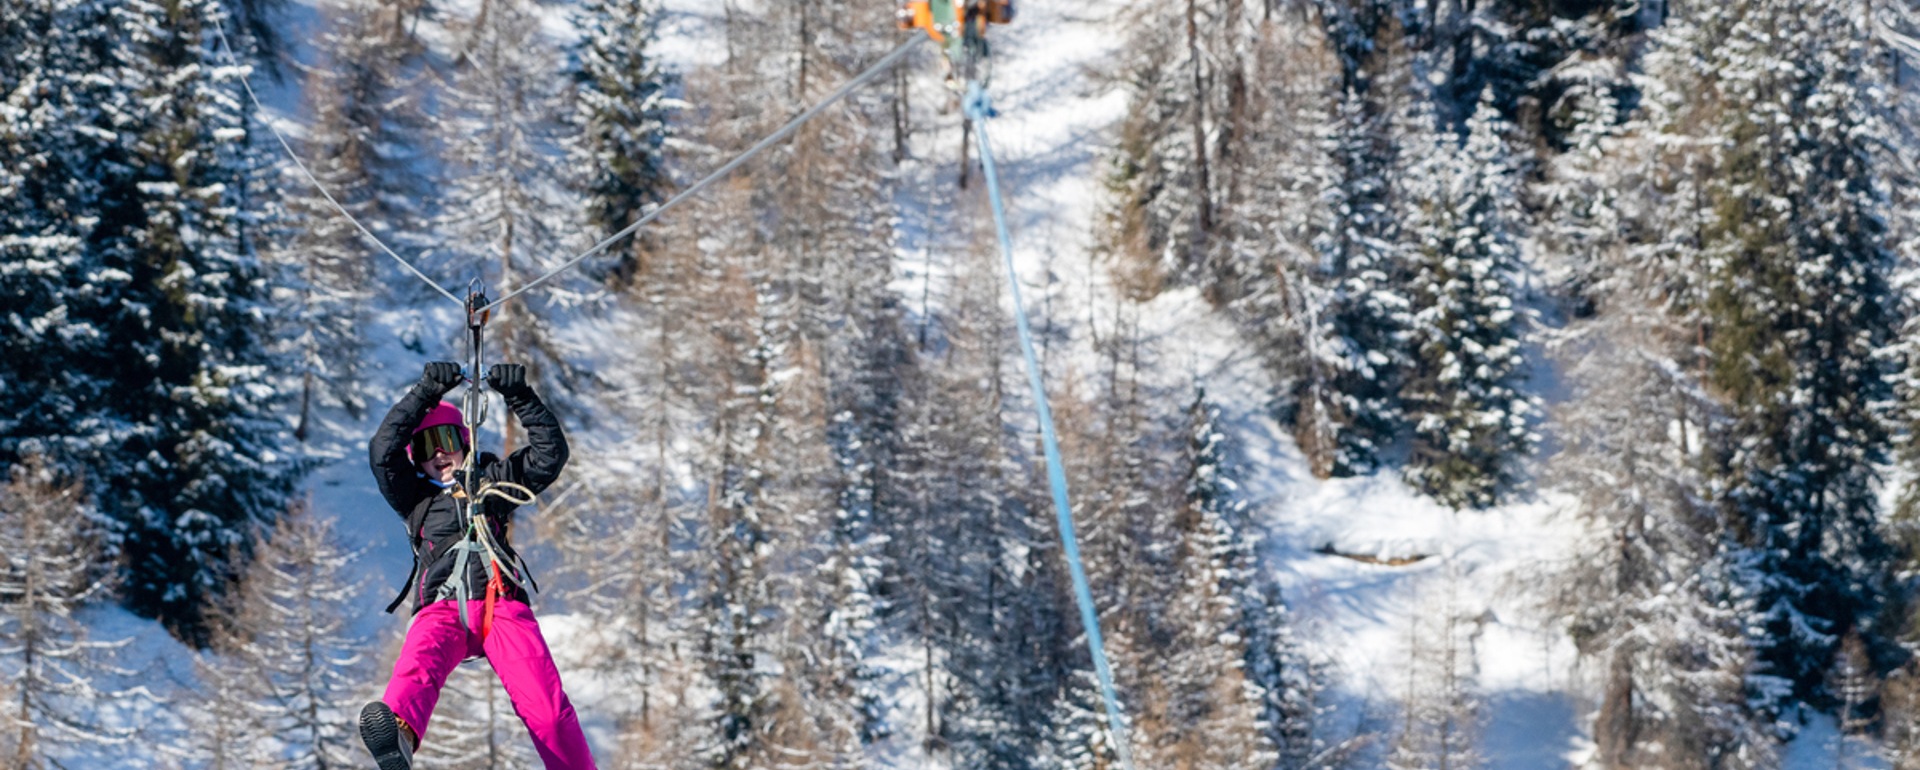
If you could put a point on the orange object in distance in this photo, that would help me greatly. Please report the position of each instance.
(919, 14)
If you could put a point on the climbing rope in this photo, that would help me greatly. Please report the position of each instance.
(220, 29)
(479, 537)
(979, 108)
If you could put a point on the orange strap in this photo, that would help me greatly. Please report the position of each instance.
(918, 14)
(494, 589)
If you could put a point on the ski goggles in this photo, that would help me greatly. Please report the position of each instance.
(439, 438)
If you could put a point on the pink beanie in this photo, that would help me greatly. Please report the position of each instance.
(442, 414)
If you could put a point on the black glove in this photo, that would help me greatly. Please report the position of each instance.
(507, 379)
(439, 377)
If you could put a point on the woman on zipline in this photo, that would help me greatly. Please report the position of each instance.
(467, 599)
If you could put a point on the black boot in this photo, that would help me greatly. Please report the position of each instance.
(380, 730)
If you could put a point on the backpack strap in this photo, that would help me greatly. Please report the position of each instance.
(404, 586)
(415, 522)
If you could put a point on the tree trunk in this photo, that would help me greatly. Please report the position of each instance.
(306, 406)
(801, 48)
(1202, 184)
(1614, 728)
(902, 113)
(966, 143)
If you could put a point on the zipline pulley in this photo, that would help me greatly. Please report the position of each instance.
(478, 313)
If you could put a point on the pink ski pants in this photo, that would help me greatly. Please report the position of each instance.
(436, 643)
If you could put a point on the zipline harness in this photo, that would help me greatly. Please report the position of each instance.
(961, 30)
(479, 534)
(470, 494)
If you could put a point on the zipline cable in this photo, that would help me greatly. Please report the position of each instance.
(978, 109)
(790, 127)
(221, 30)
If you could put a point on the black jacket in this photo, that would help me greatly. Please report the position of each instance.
(432, 519)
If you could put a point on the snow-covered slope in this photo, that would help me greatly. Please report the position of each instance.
(1050, 141)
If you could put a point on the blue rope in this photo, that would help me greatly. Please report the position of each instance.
(979, 108)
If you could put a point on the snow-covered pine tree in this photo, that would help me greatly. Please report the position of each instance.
(1584, 220)
(1509, 47)
(1656, 601)
(1284, 682)
(851, 606)
(1210, 687)
(1796, 306)
(824, 711)
(216, 730)
(784, 644)
(1187, 152)
(836, 256)
(1461, 232)
(1281, 264)
(840, 206)
(1235, 156)
(107, 129)
(1115, 460)
(620, 112)
(1900, 718)
(507, 208)
(766, 461)
(1307, 225)
(1149, 227)
(735, 642)
(1358, 31)
(697, 304)
(1653, 601)
(809, 269)
(19, 25)
(963, 580)
(324, 271)
(188, 426)
(1366, 311)
(624, 532)
(1442, 708)
(1856, 692)
(56, 353)
(1648, 600)
(51, 567)
(788, 687)
(1305, 711)
(283, 634)
(1902, 211)
(474, 727)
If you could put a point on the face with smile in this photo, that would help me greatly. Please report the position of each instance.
(441, 466)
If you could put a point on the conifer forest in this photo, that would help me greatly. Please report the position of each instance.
(1439, 384)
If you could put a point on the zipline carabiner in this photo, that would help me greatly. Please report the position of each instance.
(478, 313)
